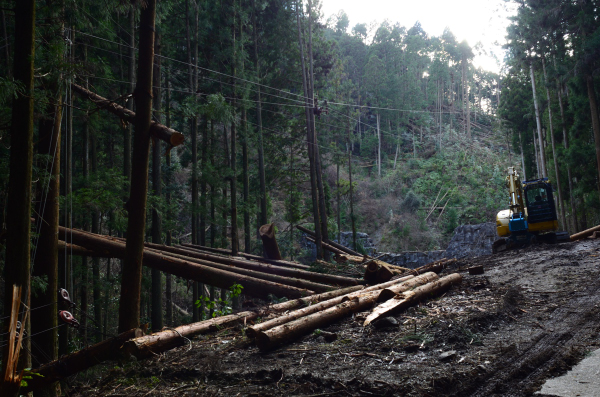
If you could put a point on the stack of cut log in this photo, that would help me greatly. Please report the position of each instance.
(259, 279)
(286, 321)
(395, 295)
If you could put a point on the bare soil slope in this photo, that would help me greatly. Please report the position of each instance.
(531, 316)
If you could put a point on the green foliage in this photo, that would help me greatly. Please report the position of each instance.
(28, 374)
(411, 202)
(223, 306)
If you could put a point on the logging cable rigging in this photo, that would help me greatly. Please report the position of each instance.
(263, 85)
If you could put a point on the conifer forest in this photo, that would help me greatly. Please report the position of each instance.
(187, 182)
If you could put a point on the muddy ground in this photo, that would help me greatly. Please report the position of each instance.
(532, 315)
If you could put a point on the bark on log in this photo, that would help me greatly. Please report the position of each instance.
(189, 270)
(311, 300)
(326, 246)
(162, 132)
(160, 342)
(392, 291)
(409, 298)
(267, 235)
(253, 331)
(77, 250)
(262, 267)
(269, 339)
(436, 267)
(296, 282)
(79, 361)
(585, 233)
(222, 251)
(332, 243)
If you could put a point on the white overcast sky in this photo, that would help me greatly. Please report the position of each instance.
(482, 21)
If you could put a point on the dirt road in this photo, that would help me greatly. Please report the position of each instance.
(531, 316)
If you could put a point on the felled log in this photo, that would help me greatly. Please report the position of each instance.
(162, 132)
(162, 341)
(332, 243)
(257, 258)
(378, 272)
(409, 298)
(326, 246)
(436, 267)
(262, 267)
(72, 249)
(254, 330)
(296, 282)
(393, 290)
(585, 233)
(271, 338)
(188, 270)
(79, 361)
(270, 247)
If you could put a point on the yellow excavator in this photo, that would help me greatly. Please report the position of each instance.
(531, 216)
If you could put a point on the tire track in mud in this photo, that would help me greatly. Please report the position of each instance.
(560, 346)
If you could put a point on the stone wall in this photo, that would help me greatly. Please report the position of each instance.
(467, 241)
(472, 240)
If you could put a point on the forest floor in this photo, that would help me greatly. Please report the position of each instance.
(533, 315)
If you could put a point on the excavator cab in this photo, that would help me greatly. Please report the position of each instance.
(540, 208)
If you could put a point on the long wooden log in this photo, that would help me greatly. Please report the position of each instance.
(76, 250)
(160, 342)
(270, 247)
(189, 270)
(171, 251)
(257, 258)
(79, 361)
(271, 338)
(296, 282)
(409, 298)
(585, 233)
(393, 290)
(169, 135)
(332, 243)
(253, 331)
(264, 267)
(326, 246)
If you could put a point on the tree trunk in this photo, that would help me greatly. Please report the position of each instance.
(169, 242)
(96, 260)
(409, 298)
(129, 130)
(270, 247)
(71, 364)
(351, 188)
(129, 304)
(261, 156)
(589, 79)
(538, 122)
(556, 170)
(157, 294)
(44, 322)
(246, 183)
(308, 107)
(566, 146)
(378, 148)
(18, 222)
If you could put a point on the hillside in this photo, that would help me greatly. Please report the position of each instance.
(531, 316)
